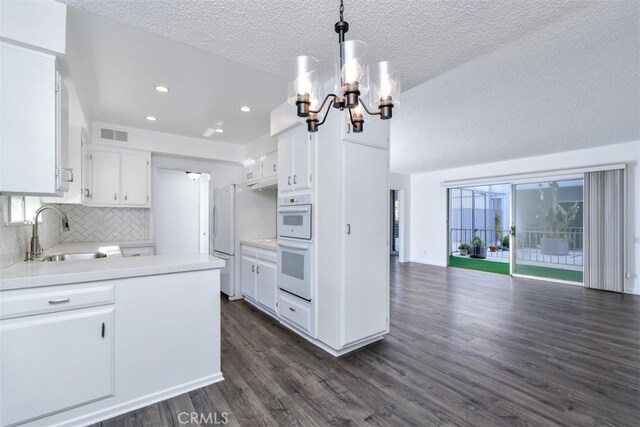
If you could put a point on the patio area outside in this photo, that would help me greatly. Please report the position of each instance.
(549, 232)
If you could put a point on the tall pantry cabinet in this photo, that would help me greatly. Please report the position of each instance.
(351, 232)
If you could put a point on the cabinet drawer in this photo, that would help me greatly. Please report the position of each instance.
(296, 311)
(271, 256)
(137, 251)
(48, 300)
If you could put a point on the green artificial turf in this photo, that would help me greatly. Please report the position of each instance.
(479, 264)
(503, 268)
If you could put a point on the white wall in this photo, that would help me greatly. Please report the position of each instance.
(402, 182)
(166, 143)
(429, 198)
(260, 146)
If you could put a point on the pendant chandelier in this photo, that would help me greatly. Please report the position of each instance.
(352, 84)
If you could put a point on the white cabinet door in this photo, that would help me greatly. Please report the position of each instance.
(285, 163)
(105, 177)
(375, 133)
(248, 278)
(366, 253)
(28, 132)
(246, 174)
(270, 165)
(301, 159)
(135, 178)
(52, 362)
(266, 287)
(73, 173)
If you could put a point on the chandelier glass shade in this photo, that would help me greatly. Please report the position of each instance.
(355, 88)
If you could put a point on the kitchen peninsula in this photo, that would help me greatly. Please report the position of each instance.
(115, 333)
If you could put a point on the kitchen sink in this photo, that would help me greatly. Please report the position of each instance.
(74, 256)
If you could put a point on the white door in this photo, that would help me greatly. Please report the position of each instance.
(135, 178)
(105, 177)
(248, 276)
(366, 252)
(52, 362)
(285, 163)
(224, 220)
(266, 292)
(177, 213)
(301, 159)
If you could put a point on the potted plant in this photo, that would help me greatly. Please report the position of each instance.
(557, 219)
(464, 249)
(478, 248)
(505, 243)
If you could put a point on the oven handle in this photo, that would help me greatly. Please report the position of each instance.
(294, 209)
(293, 246)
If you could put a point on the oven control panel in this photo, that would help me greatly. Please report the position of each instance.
(304, 199)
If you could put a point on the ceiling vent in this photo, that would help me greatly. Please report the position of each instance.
(114, 135)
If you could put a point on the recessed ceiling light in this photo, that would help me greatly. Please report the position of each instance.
(162, 89)
(218, 130)
(151, 118)
(245, 109)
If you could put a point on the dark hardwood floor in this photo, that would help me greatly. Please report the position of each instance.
(465, 348)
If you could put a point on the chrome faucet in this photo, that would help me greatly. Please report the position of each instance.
(35, 249)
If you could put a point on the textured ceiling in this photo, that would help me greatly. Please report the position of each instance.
(570, 85)
(425, 38)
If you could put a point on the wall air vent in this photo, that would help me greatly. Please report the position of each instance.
(114, 135)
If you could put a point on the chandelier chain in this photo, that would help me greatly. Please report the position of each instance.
(341, 10)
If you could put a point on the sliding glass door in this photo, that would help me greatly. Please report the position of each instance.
(549, 232)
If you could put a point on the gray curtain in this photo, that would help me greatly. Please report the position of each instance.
(604, 230)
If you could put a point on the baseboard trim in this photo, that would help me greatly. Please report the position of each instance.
(141, 402)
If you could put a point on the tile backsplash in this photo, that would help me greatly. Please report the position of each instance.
(93, 224)
(14, 238)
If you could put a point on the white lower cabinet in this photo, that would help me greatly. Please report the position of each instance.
(249, 277)
(266, 284)
(259, 272)
(52, 362)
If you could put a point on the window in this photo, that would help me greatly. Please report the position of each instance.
(17, 210)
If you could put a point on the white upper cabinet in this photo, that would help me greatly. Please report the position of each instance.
(104, 167)
(270, 165)
(134, 172)
(252, 171)
(117, 177)
(73, 174)
(34, 120)
(294, 160)
(375, 133)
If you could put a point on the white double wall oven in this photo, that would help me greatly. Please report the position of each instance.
(295, 245)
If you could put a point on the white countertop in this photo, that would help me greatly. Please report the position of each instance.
(269, 244)
(34, 274)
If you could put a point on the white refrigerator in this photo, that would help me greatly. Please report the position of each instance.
(239, 213)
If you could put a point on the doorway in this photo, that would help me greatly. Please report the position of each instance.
(533, 229)
(394, 227)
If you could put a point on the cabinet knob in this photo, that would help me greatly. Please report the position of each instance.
(59, 301)
(289, 180)
(115, 196)
(292, 309)
(295, 179)
(253, 268)
(258, 269)
(275, 167)
(126, 196)
(348, 228)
